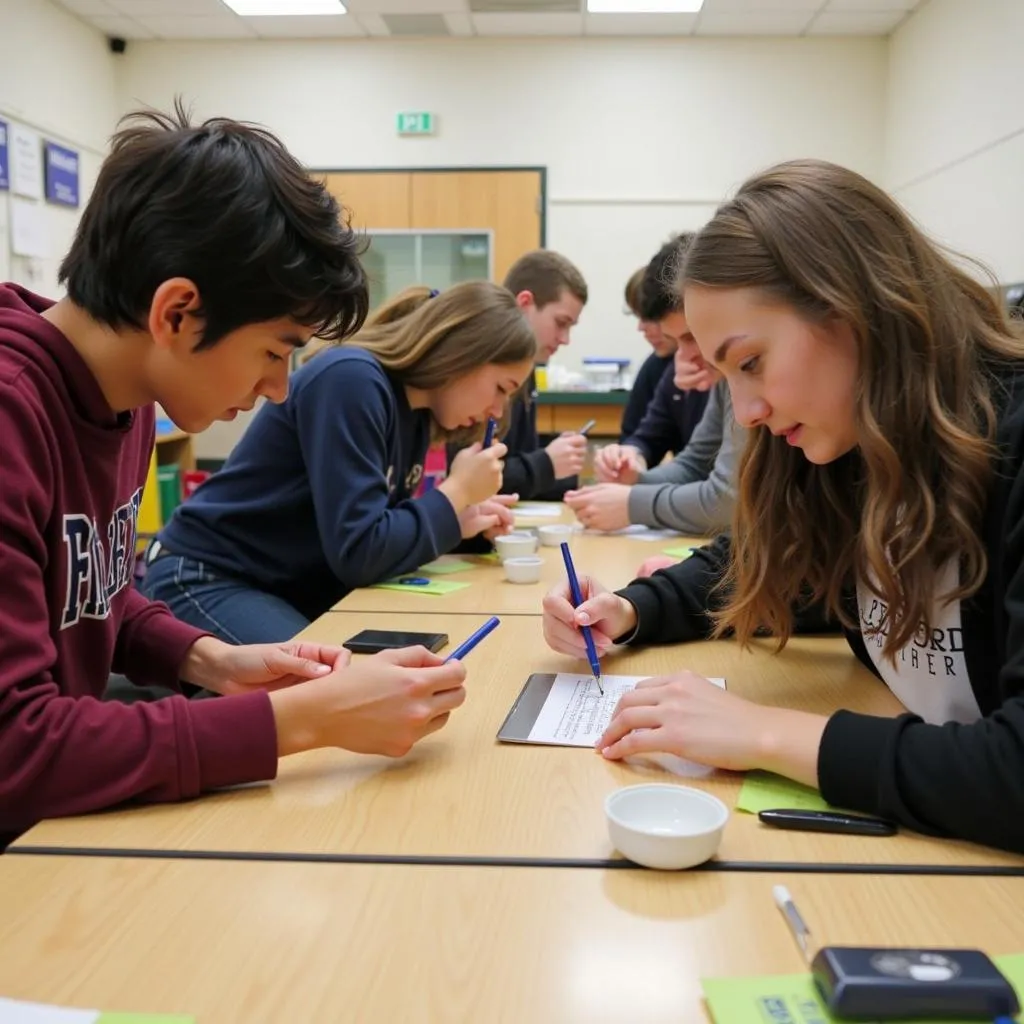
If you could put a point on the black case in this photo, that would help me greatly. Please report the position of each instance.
(862, 984)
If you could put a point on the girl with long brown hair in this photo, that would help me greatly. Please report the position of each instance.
(318, 496)
(882, 490)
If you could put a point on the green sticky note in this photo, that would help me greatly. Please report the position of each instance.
(763, 791)
(679, 552)
(436, 588)
(443, 566)
(793, 998)
(144, 1018)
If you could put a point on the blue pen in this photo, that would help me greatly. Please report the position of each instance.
(492, 425)
(577, 600)
(464, 648)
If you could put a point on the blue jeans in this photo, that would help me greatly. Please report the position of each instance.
(230, 609)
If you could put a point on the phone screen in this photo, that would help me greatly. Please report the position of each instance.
(369, 641)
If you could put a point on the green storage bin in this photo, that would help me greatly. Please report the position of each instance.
(169, 482)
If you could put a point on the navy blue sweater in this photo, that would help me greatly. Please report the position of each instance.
(669, 420)
(316, 498)
(642, 393)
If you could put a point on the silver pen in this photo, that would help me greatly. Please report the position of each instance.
(802, 934)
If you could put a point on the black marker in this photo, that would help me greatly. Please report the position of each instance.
(827, 821)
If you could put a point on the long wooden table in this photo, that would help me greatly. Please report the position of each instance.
(460, 794)
(236, 943)
(613, 560)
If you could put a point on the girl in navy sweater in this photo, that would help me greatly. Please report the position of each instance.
(882, 490)
(317, 497)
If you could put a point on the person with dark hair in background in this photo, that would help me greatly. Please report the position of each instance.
(647, 378)
(680, 396)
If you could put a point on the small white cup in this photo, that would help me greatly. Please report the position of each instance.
(525, 569)
(553, 535)
(515, 545)
(663, 826)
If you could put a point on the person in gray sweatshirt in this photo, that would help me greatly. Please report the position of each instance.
(695, 492)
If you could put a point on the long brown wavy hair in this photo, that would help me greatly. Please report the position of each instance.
(931, 342)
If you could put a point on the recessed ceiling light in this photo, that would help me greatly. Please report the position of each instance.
(644, 6)
(272, 8)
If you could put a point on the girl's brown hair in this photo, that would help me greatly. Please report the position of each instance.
(426, 340)
(828, 243)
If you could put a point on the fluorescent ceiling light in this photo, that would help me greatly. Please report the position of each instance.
(644, 6)
(270, 8)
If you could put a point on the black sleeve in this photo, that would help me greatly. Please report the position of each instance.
(657, 434)
(672, 605)
(528, 469)
(641, 395)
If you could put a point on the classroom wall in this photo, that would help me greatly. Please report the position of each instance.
(954, 127)
(640, 136)
(57, 77)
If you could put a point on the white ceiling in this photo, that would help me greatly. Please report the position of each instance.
(212, 19)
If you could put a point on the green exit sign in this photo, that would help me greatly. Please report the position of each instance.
(416, 122)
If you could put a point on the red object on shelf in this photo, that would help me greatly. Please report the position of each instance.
(191, 480)
(435, 468)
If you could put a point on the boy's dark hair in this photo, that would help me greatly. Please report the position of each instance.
(633, 290)
(545, 274)
(225, 205)
(659, 293)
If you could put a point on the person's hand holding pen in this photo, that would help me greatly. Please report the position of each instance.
(608, 615)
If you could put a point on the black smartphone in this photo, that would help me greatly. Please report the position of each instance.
(370, 641)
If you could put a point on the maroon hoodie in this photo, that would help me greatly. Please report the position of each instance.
(71, 476)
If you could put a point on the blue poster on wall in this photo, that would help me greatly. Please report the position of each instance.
(5, 167)
(61, 175)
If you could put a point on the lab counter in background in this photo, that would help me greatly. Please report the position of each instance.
(569, 410)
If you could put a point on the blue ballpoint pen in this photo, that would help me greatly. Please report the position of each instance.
(577, 600)
(492, 425)
(464, 648)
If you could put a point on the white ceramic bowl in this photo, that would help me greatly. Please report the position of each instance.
(664, 826)
(553, 535)
(515, 545)
(523, 570)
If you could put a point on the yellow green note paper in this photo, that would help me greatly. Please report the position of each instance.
(793, 998)
(17, 1011)
(680, 552)
(433, 588)
(444, 565)
(763, 791)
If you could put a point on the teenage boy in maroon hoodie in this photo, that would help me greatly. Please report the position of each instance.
(205, 256)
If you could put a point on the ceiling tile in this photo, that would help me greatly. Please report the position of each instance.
(121, 27)
(639, 24)
(753, 23)
(872, 5)
(405, 6)
(172, 8)
(326, 26)
(195, 27)
(854, 23)
(528, 24)
(767, 7)
(459, 24)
